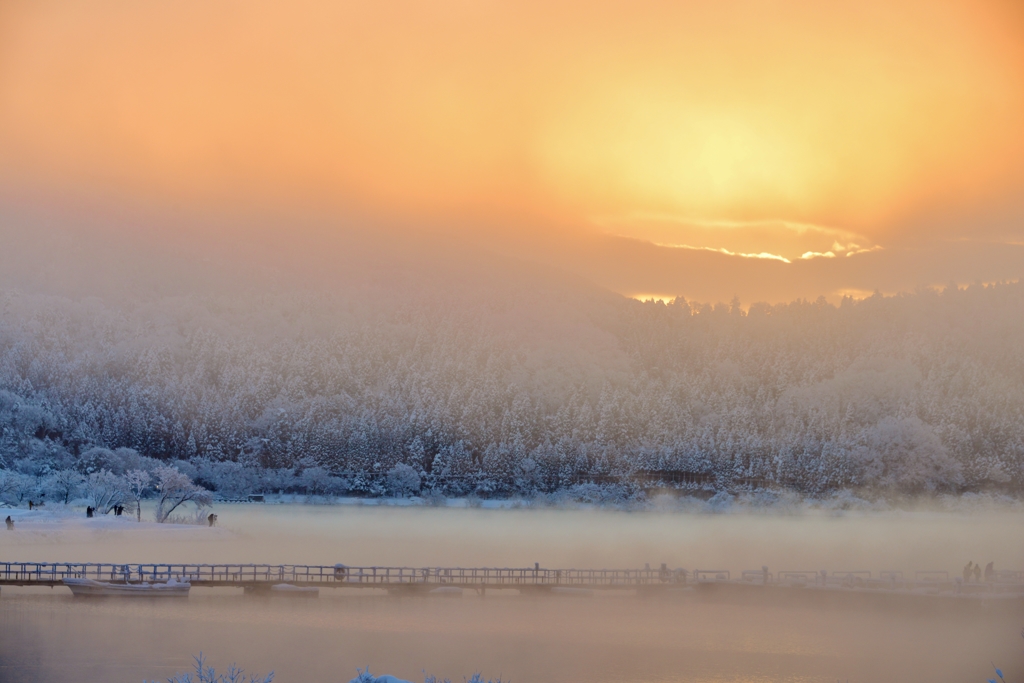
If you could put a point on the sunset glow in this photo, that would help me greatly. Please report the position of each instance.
(737, 118)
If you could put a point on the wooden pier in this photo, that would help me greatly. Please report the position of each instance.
(406, 580)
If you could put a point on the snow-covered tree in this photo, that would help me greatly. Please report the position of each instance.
(9, 484)
(403, 480)
(137, 482)
(909, 393)
(106, 491)
(174, 489)
(317, 481)
(63, 485)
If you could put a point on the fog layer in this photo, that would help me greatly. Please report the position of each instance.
(492, 377)
(50, 637)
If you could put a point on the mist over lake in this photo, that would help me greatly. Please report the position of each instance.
(607, 636)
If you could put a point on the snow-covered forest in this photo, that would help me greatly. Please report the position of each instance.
(317, 394)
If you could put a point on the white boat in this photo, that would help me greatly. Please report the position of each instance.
(286, 589)
(92, 588)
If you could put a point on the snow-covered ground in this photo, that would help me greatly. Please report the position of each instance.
(60, 524)
(785, 503)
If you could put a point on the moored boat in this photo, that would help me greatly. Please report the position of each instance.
(91, 588)
(288, 590)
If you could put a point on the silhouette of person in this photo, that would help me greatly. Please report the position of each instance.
(212, 519)
(977, 573)
(968, 570)
(89, 511)
(990, 571)
(30, 505)
(10, 523)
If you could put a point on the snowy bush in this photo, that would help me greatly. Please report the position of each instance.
(227, 478)
(207, 674)
(435, 499)
(720, 502)
(364, 676)
(197, 517)
(905, 454)
(317, 481)
(475, 678)
(403, 480)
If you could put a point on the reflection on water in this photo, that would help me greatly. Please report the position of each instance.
(615, 638)
(47, 636)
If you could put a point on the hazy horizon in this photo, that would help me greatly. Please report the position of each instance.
(745, 149)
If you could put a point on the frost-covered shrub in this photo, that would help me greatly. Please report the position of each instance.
(227, 478)
(846, 500)
(194, 518)
(475, 678)
(435, 499)
(602, 494)
(317, 481)
(720, 502)
(117, 461)
(905, 454)
(364, 676)
(403, 480)
(207, 674)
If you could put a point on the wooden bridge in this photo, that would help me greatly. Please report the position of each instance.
(338, 576)
(258, 577)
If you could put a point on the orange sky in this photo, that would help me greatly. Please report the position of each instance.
(788, 131)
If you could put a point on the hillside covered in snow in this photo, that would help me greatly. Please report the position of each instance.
(494, 379)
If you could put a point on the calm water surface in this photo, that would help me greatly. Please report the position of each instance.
(47, 636)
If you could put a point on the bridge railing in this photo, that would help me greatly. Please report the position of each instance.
(242, 574)
(29, 573)
(847, 579)
(799, 578)
(511, 577)
(761, 576)
(928, 580)
(1009, 576)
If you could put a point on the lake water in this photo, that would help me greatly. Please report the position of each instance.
(47, 636)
